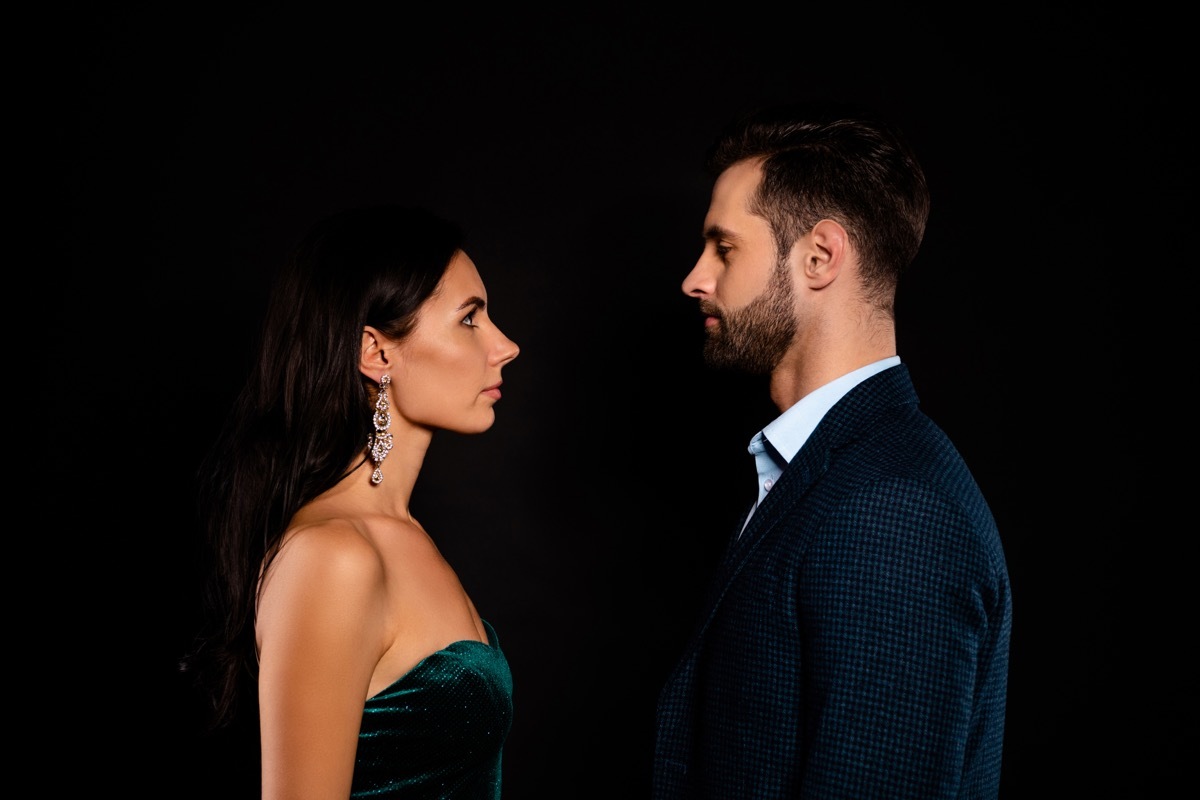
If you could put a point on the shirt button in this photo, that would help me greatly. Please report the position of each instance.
(767, 484)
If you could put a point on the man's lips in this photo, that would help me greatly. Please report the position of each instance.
(711, 316)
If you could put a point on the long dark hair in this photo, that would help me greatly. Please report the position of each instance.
(302, 419)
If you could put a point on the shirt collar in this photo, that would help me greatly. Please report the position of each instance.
(788, 432)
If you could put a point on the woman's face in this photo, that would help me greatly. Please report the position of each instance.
(448, 375)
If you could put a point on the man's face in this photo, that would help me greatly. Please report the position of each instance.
(744, 286)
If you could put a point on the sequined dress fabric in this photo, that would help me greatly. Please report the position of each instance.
(438, 732)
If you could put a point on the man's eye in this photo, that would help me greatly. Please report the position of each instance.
(722, 250)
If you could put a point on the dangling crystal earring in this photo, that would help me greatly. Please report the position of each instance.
(380, 442)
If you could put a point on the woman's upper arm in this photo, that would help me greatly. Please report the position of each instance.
(319, 627)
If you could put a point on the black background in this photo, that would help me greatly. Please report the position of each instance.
(1037, 321)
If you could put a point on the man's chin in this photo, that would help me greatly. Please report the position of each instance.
(717, 355)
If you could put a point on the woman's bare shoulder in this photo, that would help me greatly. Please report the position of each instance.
(330, 559)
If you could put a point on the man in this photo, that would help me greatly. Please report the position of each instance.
(855, 640)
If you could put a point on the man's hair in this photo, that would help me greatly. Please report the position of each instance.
(839, 162)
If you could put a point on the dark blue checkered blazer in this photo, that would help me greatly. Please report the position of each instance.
(855, 641)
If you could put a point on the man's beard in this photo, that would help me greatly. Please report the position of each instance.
(756, 337)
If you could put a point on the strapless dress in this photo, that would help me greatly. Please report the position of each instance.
(438, 732)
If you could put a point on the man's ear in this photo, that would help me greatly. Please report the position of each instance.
(374, 358)
(822, 253)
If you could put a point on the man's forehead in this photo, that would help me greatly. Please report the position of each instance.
(729, 214)
(739, 178)
(734, 189)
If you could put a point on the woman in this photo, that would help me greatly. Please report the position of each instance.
(375, 674)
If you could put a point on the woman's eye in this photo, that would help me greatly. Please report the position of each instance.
(469, 320)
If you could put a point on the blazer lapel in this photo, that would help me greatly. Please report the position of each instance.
(797, 478)
(842, 424)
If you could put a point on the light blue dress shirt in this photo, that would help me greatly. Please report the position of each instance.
(777, 444)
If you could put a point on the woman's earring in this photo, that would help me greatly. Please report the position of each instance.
(380, 442)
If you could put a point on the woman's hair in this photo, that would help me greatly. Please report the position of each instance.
(301, 421)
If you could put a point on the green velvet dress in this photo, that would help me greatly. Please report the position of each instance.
(438, 732)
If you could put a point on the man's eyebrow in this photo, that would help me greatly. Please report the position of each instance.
(713, 232)
(477, 302)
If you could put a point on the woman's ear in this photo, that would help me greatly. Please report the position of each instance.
(373, 359)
